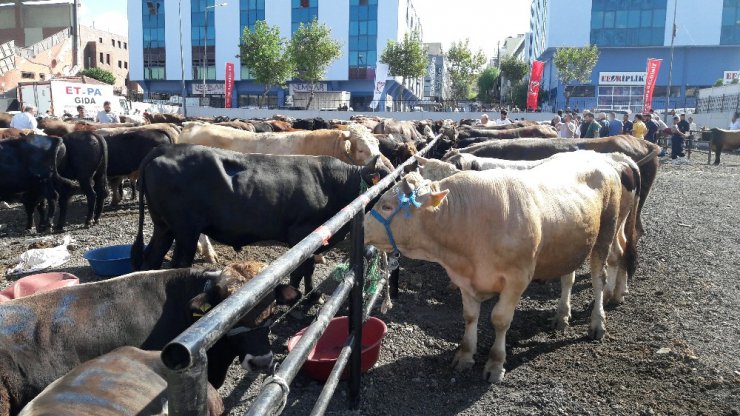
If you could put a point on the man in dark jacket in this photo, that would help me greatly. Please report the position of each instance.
(626, 124)
(589, 127)
(652, 128)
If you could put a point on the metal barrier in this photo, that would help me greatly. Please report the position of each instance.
(186, 357)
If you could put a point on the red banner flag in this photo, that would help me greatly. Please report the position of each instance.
(534, 84)
(651, 75)
(229, 87)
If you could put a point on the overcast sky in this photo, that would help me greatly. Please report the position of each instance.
(484, 22)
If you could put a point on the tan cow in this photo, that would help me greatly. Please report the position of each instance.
(495, 231)
(356, 146)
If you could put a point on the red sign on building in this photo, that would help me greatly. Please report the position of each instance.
(229, 87)
(534, 84)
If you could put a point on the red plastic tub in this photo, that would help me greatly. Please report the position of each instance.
(37, 283)
(322, 358)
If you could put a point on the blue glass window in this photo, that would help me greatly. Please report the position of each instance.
(154, 42)
(250, 11)
(363, 39)
(303, 11)
(203, 36)
(730, 34)
(628, 22)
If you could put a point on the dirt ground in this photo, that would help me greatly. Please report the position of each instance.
(673, 348)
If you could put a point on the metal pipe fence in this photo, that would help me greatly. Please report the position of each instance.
(718, 103)
(185, 356)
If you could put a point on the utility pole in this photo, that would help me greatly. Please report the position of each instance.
(182, 61)
(670, 65)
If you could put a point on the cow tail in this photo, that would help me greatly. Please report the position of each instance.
(59, 147)
(137, 250)
(631, 232)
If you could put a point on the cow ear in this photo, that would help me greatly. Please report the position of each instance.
(436, 198)
(199, 305)
(346, 135)
(286, 295)
(374, 163)
(421, 160)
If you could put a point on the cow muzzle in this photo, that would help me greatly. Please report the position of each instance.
(256, 363)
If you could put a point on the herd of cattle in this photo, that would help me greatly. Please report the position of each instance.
(497, 207)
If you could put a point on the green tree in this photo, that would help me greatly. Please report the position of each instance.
(719, 82)
(487, 84)
(313, 49)
(102, 75)
(463, 66)
(266, 56)
(519, 94)
(575, 65)
(406, 59)
(514, 70)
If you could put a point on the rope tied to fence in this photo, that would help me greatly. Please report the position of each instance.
(284, 386)
(373, 275)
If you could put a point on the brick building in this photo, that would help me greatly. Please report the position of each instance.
(106, 50)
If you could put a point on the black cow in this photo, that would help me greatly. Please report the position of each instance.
(317, 123)
(239, 199)
(44, 336)
(395, 150)
(86, 162)
(28, 172)
(125, 153)
(261, 126)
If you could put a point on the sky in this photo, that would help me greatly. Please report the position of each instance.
(484, 22)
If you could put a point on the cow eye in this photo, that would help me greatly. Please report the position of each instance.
(386, 207)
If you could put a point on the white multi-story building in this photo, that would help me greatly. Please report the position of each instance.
(362, 27)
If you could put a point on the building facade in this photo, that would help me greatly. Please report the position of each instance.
(211, 33)
(106, 50)
(706, 46)
(434, 80)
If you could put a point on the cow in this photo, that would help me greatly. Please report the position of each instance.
(396, 151)
(55, 127)
(125, 381)
(644, 153)
(237, 124)
(29, 172)
(261, 126)
(86, 162)
(316, 123)
(719, 140)
(8, 133)
(163, 118)
(495, 231)
(171, 130)
(5, 119)
(405, 130)
(44, 336)
(280, 126)
(355, 146)
(252, 198)
(475, 135)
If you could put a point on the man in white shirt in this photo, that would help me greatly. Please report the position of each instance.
(26, 119)
(503, 120)
(567, 128)
(107, 116)
(485, 121)
(735, 125)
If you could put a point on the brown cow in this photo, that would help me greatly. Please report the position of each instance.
(483, 134)
(405, 130)
(237, 124)
(55, 127)
(720, 140)
(164, 118)
(10, 132)
(5, 119)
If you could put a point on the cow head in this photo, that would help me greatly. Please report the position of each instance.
(378, 168)
(435, 170)
(397, 218)
(360, 144)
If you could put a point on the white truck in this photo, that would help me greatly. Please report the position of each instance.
(60, 96)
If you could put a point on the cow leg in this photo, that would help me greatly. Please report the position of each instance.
(116, 189)
(501, 317)
(393, 282)
(717, 153)
(101, 192)
(562, 317)
(185, 248)
(132, 183)
(157, 248)
(87, 189)
(463, 359)
(205, 249)
(29, 205)
(305, 272)
(64, 195)
(597, 328)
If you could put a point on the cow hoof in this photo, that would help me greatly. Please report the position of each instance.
(319, 259)
(462, 361)
(494, 372)
(58, 230)
(315, 297)
(596, 332)
(560, 323)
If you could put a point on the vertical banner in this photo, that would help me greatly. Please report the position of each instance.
(229, 87)
(651, 75)
(534, 84)
(381, 73)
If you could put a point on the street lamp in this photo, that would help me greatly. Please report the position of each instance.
(205, 42)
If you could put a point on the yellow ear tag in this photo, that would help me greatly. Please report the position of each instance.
(205, 307)
(438, 197)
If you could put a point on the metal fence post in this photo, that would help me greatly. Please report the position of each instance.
(355, 308)
(187, 388)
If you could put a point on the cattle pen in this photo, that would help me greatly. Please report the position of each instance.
(185, 356)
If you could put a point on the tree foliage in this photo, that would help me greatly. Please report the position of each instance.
(313, 50)
(463, 66)
(487, 84)
(514, 69)
(406, 59)
(575, 65)
(266, 55)
(102, 75)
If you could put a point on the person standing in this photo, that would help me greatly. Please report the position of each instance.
(504, 119)
(652, 129)
(484, 120)
(26, 119)
(577, 122)
(567, 129)
(679, 131)
(627, 125)
(589, 128)
(735, 124)
(603, 124)
(107, 116)
(81, 113)
(638, 127)
(615, 126)
(692, 126)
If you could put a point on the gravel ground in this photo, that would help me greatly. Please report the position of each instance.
(672, 348)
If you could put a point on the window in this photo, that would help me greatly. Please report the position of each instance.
(628, 22)
(203, 33)
(28, 75)
(250, 11)
(153, 25)
(113, 42)
(730, 34)
(120, 64)
(303, 11)
(125, 45)
(119, 44)
(100, 40)
(125, 65)
(363, 34)
(107, 58)
(101, 57)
